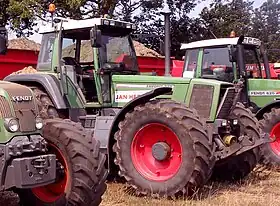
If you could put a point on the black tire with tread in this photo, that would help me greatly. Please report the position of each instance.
(198, 159)
(45, 104)
(269, 120)
(85, 163)
(237, 167)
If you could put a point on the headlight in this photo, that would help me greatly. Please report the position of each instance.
(224, 123)
(39, 123)
(12, 125)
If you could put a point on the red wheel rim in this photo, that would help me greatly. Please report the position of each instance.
(275, 133)
(142, 156)
(52, 192)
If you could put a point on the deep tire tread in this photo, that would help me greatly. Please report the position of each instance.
(233, 168)
(186, 118)
(88, 163)
(268, 157)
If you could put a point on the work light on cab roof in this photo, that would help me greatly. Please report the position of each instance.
(52, 8)
(232, 34)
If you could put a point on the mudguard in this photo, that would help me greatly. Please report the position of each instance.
(267, 108)
(47, 81)
(142, 99)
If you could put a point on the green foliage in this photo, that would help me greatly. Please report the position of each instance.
(223, 17)
(266, 22)
(19, 15)
(216, 20)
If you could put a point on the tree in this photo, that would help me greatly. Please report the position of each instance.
(21, 15)
(151, 25)
(267, 19)
(224, 16)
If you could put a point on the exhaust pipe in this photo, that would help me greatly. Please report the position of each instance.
(3, 40)
(167, 43)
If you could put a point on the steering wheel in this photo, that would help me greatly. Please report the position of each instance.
(72, 61)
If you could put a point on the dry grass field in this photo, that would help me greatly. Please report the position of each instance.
(258, 189)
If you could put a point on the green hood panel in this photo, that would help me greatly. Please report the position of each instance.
(149, 79)
(263, 91)
(127, 87)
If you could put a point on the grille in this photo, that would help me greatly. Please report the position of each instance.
(5, 110)
(201, 99)
(25, 111)
(226, 103)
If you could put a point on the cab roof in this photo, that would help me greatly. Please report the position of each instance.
(72, 24)
(219, 42)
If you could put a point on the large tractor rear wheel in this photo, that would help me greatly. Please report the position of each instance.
(238, 167)
(270, 152)
(81, 173)
(163, 150)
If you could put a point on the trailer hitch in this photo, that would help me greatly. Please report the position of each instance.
(245, 143)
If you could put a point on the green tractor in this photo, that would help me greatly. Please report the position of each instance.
(166, 136)
(56, 163)
(221, 60)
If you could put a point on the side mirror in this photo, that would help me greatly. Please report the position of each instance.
(3, 41)
(95, 37)
(232, 54)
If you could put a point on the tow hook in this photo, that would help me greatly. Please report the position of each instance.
(269, 138)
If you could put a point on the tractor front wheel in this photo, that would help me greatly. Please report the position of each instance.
(270, 124)
(81, 173)
(163, 150)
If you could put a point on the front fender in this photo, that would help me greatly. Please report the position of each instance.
(47, 81)
(142, 99)
(267, 108)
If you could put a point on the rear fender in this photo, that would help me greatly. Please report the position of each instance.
(142, 99)
(49, 82)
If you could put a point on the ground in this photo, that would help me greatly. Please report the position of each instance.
(257, 190)
(260, 188)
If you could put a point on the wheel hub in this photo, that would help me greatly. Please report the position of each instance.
(161, 151)
(152, 154)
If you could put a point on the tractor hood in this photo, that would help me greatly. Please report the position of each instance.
(17, 101)
(263, 91)
(127, 87)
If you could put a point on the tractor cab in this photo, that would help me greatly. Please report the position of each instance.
(85, 53)
(226, 59)
(242, 60)
(3, 40)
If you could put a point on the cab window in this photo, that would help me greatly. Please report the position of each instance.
(191, 59)
(216, 64)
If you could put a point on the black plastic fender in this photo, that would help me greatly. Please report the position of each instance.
(142, 99)
(267, 108)
(49, 82)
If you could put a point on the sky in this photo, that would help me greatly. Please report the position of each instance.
(37, 37)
